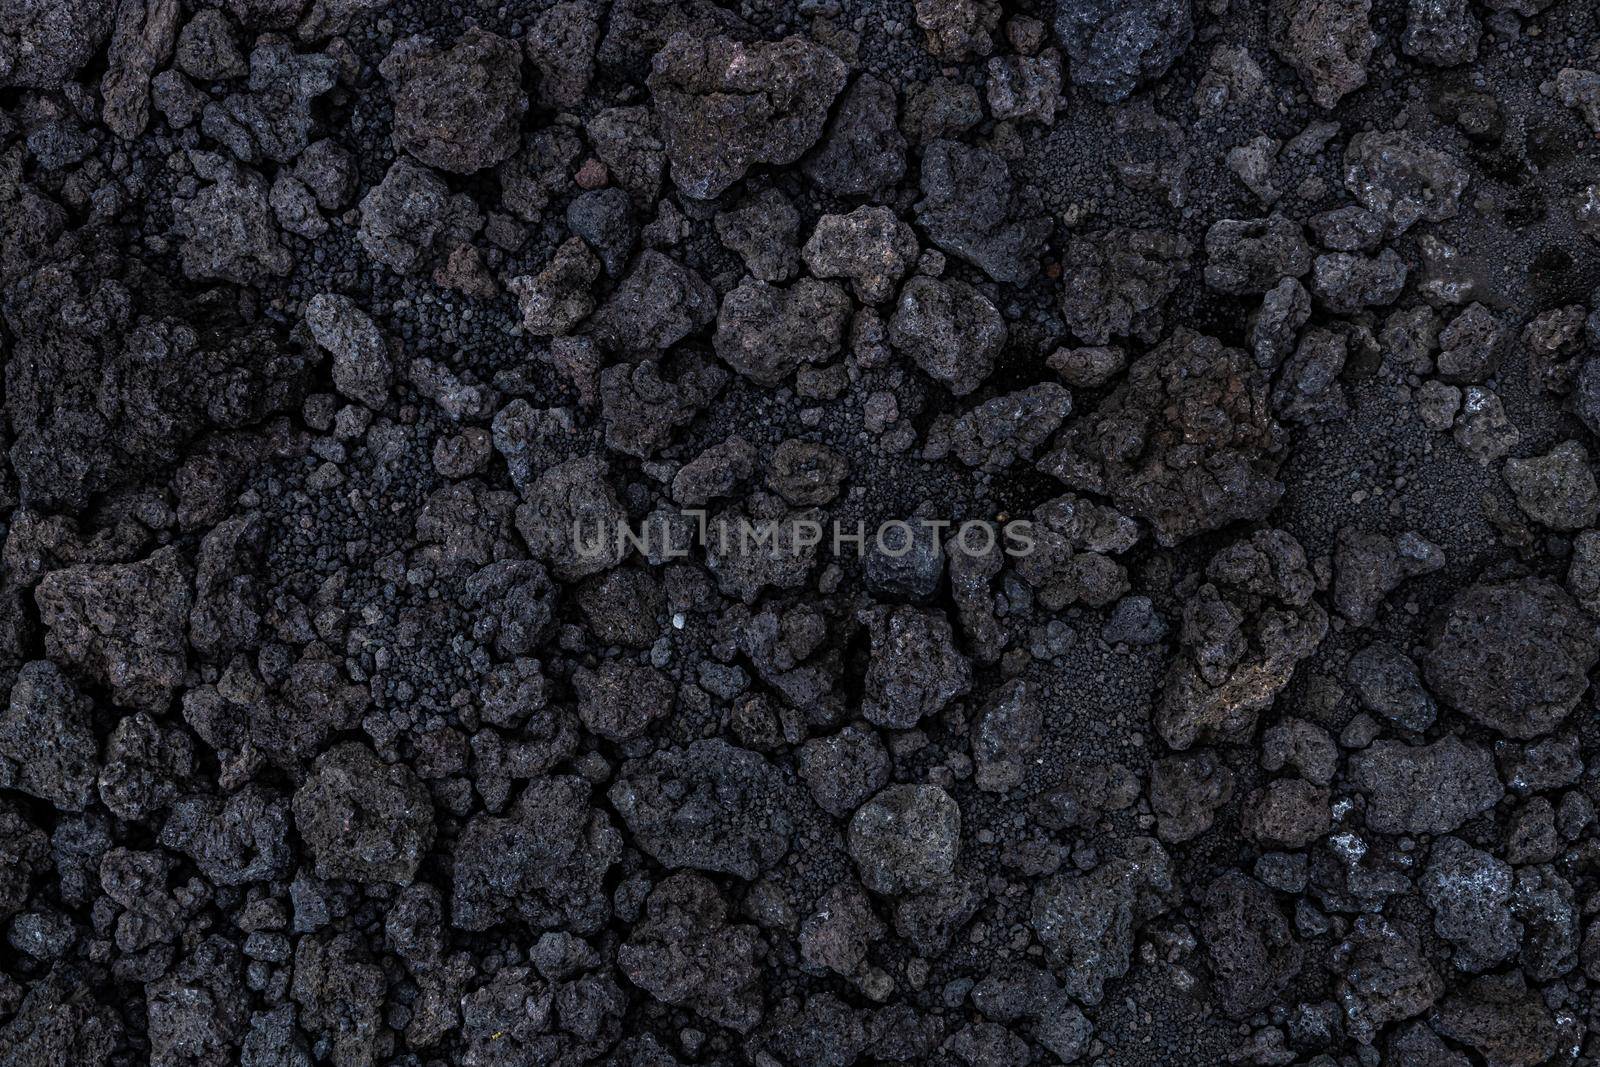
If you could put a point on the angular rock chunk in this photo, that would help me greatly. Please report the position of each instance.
(1482, 428)
(196, 1013)
(1347, 229)
(941, 108)
(642, 410)
(234, 840)
(1442, 32)
(950, 330)
(561, 46)
(339, 991)
(605, 219)
(714, 473)
(1006, 736)
(727, 105)
(543, 864)
(273, 119)
(1069, 559)
(142, 41)
(840, 932)
(1388, 683)
(1302, 745)
(907, 565)
(268, 14)
(403, 215)
(1252, 951)
(906, 839)
(1024, 88)
(363, 819)
(870, 246)
(1513, 656)
(1383, 976)
(958, 30)
(763, 232)
(749, 553)
(1089, 367)
(61, 1020)
(1287, 813)
(146, 767)
(623, 607)
(1345, 282)
(863, 152)
(685, 951)
(657, 305)
(1368, 566)
(570, 518)
(1115, 46)
(1308, 388)
(361, 367)
(1243, 633)
(1187, 442)
(1116, 284)
(1086, 922)
(1425, 789)
(995, 434)
(1254, 256)
(711, 806)
(765, 332)
(1186, 792)
(1580, 90)
(43, 43)
(503, 1021)
(562, 294)
(1470, 894)
(845, 769)
(1500, 1018)
(1583, 575)
(969, 209)
(915, 669)
(121, 625)
(628, 141)
(620, 700)
(1558, 488)
(1403, 180)
(208, 47)
(458, 108)
(1329, 42)
(227, 231)
(1470, 348)
(47, 743)
(1274, 328)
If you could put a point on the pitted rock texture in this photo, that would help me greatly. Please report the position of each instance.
(799, 533)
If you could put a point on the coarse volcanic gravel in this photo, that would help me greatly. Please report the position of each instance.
(799, 533)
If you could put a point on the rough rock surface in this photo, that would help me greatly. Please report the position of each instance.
(458, 108)
(801, 533)
(1513, 656)
(726, 106)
